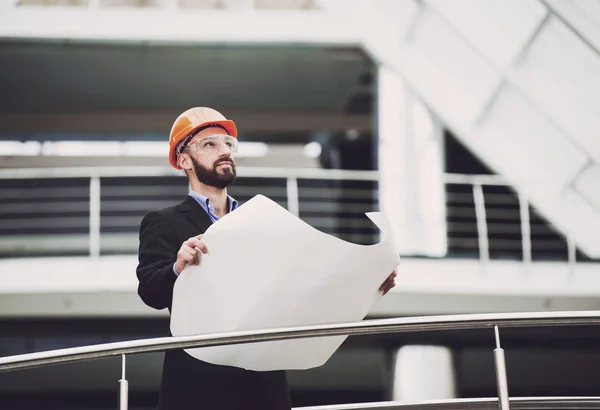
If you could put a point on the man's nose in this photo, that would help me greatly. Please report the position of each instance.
(224, 150)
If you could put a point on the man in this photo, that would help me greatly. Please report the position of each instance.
(202, 143)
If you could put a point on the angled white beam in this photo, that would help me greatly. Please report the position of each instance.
(581, 16)
(425, 50)
(177, 26)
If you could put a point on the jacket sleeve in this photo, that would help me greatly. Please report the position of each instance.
(157, 253)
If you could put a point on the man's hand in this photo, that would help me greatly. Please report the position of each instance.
(389, 282)
(189, 253)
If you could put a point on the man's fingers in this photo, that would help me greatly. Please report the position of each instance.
(388, 284)
(387, 288)
(197, 244)
(189, 258)
(189, 250)
(188, 254)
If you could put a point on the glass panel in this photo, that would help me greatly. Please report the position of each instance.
(497, 28)
(560, 75)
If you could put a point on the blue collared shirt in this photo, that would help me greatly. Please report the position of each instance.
(204, 202)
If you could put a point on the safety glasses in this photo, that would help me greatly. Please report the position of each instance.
(213, 143)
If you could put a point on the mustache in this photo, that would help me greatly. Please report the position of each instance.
(220, 161)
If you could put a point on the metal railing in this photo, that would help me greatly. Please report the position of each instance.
(100, 209)
(368, 327)
(516, 403)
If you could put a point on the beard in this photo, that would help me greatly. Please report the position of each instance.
(214, 178)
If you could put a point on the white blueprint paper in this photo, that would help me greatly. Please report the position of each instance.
(266, 268)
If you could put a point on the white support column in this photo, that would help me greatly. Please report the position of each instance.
(411, 190)
(423, 373)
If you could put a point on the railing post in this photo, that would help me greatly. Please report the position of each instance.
(95, 217)
(525, 227)
(480, 216)
(123, 387)
(501, 379)
(292, 195)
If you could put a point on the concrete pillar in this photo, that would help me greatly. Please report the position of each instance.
(410, 155)
(423, 373)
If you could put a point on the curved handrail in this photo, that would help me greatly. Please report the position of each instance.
(521, 403)
(249, 172)
(378, 326)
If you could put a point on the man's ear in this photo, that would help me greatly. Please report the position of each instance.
(184, 161)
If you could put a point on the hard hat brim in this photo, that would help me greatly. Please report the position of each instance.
(227, 124)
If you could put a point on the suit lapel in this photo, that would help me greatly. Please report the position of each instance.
(195, 213)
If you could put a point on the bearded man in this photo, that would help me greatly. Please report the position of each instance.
(202, 144)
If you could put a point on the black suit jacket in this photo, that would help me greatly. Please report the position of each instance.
(188, 383)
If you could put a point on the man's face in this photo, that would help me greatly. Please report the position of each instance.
(212, 158)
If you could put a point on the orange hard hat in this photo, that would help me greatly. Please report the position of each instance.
(191, 120)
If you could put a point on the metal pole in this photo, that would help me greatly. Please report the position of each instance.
(95, 217)
(123, 387)
(525, 227)
(480, 216)
(501, 379)
(292, 196)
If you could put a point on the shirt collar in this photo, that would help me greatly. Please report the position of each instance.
(231, 202)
